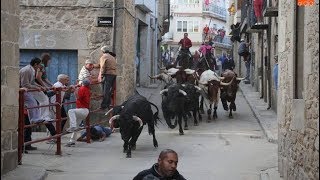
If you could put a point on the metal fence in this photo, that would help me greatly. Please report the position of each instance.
(216, 10)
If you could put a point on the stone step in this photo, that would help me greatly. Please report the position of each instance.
(270, 174)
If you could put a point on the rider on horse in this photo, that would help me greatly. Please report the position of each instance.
(207, 60)
(185, 45)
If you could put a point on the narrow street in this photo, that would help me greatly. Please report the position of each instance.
(228, 149)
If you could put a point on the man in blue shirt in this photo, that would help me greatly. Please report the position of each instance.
(275, 72)
(98, 132)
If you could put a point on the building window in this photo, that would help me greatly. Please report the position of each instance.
(299, 74)
(187, 26)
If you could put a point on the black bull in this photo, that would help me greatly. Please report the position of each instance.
(177, 101)
(130, 116)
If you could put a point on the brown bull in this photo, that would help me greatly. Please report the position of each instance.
(228, 93)
(210, 83)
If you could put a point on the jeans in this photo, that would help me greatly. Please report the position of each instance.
(27, 131)
(107, 88)
(247, 64)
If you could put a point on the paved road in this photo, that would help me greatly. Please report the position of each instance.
(226, 149)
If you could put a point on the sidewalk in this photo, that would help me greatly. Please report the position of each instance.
(266, 118)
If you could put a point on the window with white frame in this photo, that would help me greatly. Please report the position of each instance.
(187, 26)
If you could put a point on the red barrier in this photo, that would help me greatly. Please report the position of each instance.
(58, 105)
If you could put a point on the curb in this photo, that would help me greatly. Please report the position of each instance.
(266, 132)
(26, 173)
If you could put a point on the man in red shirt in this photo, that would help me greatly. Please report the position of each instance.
(81, 111)
(185, 44)
(205, 32)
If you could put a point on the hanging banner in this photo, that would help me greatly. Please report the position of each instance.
(305, 2)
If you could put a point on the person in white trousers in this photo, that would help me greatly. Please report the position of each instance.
(27, 80)
(81, 111)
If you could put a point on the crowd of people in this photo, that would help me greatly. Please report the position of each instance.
(40, 91)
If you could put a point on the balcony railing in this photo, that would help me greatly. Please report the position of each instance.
(144, 5)
(215, 10)
(252, 20)
(270, 9)
(248, 18)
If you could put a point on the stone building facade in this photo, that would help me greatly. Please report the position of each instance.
(9, 84)
(291, 32)
(73, 26)
(298, 97)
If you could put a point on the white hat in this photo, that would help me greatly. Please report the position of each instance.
(89, 61)
(104, 49)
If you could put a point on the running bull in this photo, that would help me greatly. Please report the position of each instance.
(210, 84)
(229, 93)
(173, 101)
(131, 116)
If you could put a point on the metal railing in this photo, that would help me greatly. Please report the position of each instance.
(58, 119)
(215, 10)
(251, 15)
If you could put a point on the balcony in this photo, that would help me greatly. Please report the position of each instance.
(270, 10)
(248, 19)
(145, 5)
(215, 11)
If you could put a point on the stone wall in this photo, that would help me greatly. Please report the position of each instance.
(9, 84)
(298, 118)
(125, 48)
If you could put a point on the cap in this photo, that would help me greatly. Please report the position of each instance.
(86, 82)
(88, 61)
(104, 49)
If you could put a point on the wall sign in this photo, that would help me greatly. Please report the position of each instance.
(105, 21)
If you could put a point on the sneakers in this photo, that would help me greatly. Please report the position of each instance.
(70, 144)
(52, 141)
(71, 129)
(81, 124)
(49, 120)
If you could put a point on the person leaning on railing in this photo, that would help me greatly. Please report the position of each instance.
(27, 80)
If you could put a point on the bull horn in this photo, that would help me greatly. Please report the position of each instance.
(197, 87)
(112, 119)
(182, 92)
(163, 91)
(221, 78)
(240, 79)
(109, 112)
(136, 118)
(226, 84)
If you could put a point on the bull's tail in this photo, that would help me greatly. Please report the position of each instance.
(156, 114)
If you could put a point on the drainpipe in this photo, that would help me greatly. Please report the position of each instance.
(114, 27)
(269, 64)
